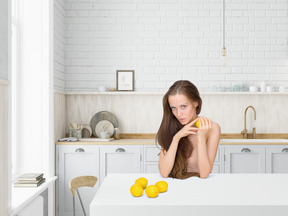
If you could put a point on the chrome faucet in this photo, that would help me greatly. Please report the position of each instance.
(244, 132)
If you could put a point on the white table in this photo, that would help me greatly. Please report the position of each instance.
(219, 194)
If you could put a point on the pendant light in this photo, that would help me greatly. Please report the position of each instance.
(224, 50)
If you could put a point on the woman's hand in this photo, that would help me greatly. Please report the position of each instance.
(187, 130)
(205, 125)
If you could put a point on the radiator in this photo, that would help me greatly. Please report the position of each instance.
(35, 208)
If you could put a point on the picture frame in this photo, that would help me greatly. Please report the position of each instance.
(125, 80)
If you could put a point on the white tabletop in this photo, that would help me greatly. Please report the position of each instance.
(238, 193)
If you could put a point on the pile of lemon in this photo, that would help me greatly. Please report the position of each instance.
(151, 191)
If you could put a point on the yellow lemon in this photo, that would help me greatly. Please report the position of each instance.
(197, 124)
(152, 191)
(136, 190)
(142, 181)
(162, 186)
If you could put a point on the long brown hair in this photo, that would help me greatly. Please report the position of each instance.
(170, 126)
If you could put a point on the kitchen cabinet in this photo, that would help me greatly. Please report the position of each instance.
(152, 154)
(244, 159)
(73, 161)
(120, 159)
(217, 166)
(277, 159)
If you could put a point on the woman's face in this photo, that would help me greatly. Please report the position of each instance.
(182, 108)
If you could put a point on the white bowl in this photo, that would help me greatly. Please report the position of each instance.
(101, 88)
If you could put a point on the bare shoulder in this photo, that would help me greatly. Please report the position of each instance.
(215, 132)
(216, 127)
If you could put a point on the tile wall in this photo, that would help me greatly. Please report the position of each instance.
(166, 41)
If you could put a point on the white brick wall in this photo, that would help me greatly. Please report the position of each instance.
(165, 41)
(59, 44)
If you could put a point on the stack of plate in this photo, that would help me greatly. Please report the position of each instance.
(104, 121)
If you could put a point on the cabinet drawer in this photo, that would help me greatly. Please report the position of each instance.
(152, 154)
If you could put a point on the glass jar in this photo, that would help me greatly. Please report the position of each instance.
(78, 133)
(117, 134)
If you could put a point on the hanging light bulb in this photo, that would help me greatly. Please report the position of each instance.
(224, 50)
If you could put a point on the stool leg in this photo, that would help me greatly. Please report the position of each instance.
(81, 202)
(73, 205)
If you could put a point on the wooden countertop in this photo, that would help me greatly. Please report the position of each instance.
(152, 142)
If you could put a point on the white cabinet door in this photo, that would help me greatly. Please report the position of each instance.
(244, 159)
(120, 159)
(277, 159)
(152, 154)
(73, 161)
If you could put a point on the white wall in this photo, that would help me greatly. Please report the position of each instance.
(4, 153)
(142, 113)
(168, 40)
(4, 39)
(59, 44)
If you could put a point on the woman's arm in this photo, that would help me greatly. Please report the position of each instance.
(208, 139)
(167, 158)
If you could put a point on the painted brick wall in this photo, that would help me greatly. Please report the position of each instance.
(59, 44)
(164, 41)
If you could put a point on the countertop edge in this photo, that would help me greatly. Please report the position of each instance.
(152, 142)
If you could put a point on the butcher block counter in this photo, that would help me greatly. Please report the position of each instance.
(94, 141)
(218, 194)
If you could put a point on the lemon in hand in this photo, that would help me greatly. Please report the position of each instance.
(162, 186)
(152, 191)
(197, 123)
(142, 181)
(136, 190)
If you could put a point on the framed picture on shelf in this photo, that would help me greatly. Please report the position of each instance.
(125, 80)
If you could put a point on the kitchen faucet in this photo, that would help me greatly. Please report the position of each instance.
(244, 132)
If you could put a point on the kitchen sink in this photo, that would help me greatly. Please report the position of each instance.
(253, 140)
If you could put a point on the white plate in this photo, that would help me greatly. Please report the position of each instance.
(103, 115)
(104, 125)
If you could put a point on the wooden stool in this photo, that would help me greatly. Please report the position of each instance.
(81, 181)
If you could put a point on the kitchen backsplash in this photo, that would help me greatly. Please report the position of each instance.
(142, 113)
(164, 41)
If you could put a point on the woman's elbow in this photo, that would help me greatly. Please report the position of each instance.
(204, 175)
(164, 174)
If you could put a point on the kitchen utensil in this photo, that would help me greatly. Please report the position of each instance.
(86, 131)
(253, 89)
(104, 126)
(281, 89)
(270, 89)
(74, 125)
(104, 134)
(103, 115)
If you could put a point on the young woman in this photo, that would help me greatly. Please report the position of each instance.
(186, 150)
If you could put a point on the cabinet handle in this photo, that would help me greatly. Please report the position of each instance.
(245, 150)
(158, 154)
(285, 150)
(120, 150)
(80, 150)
